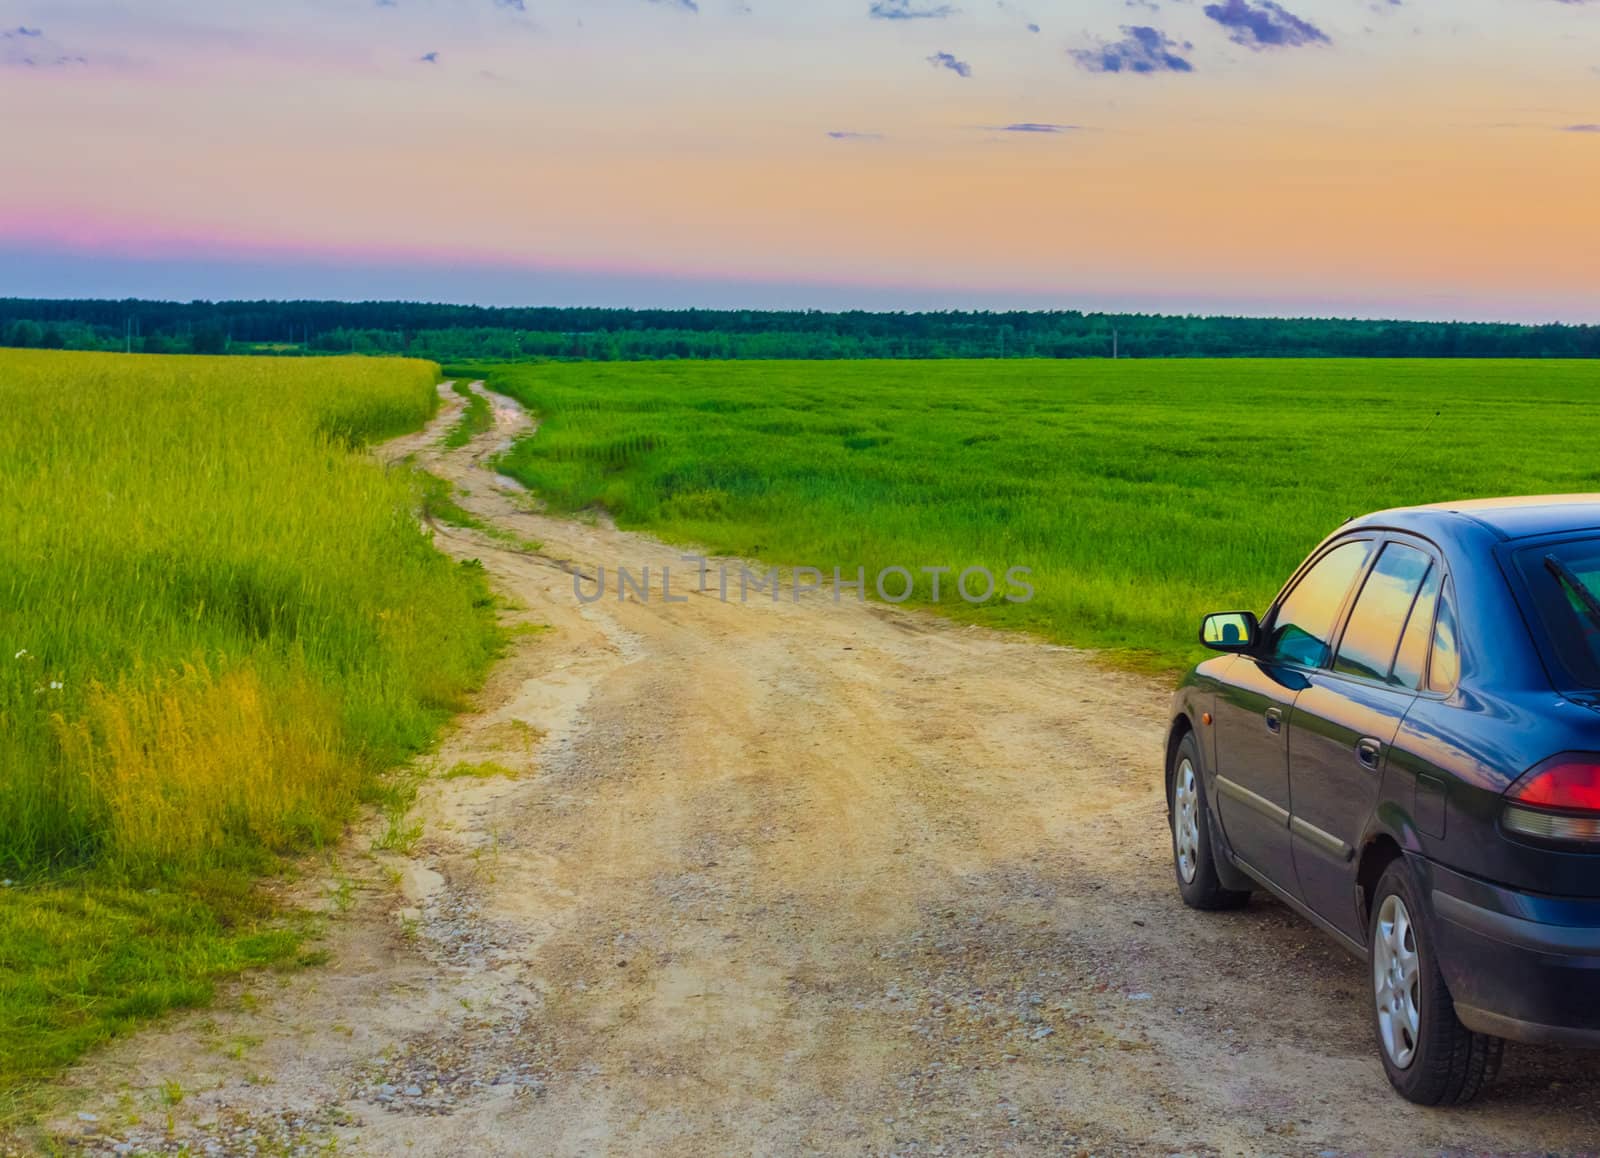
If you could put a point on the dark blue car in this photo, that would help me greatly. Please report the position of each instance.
(1406, 749)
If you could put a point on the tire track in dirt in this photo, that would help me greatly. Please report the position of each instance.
(787, 878)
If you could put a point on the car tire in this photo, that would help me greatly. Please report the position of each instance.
(1430, 1057)
(1193, 860)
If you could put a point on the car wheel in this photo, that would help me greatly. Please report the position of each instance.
(1430, 1057)
(1192, 857)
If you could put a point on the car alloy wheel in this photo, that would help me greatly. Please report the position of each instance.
(1186, 821)
(1396, 976)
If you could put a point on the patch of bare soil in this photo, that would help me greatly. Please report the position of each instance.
(787, 878)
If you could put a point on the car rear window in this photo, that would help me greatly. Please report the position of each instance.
(1564, 581)
(1411, 661)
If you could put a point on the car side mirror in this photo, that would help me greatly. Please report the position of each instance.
(1230, 631)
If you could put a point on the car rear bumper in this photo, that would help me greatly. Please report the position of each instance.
(1519, 965)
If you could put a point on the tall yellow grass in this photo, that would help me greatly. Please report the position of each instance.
(176, 766)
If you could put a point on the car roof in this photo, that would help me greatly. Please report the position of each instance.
(1505, 518)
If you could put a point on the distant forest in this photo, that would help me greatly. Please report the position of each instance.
(476, 333)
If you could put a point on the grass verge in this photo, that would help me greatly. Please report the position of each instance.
(87, 958)
(439, 504)
(475, 419)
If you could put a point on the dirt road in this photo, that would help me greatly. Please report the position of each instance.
(778, 878)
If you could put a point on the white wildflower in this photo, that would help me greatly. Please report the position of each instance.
(56, 685)
(20, 654)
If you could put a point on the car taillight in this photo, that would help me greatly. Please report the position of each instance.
(1558, 799)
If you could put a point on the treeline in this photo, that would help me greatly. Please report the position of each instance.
(461, 333)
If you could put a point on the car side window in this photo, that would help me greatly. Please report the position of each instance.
(1445, 670)
(1411, 661)
(1372, 635)
(1306, 618)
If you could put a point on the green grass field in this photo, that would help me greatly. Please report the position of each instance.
(1141, 493)
(219, 626)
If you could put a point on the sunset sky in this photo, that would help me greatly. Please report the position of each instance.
(1424, 158)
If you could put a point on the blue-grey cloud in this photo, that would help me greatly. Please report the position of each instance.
(946, 60)
(1033, 28)
(1142, 50)
(686, 5)
(428, 58)
(848, 135)
(30, 48)
(42, 60)
(1034, 127)
(1261, 24)
(906, 10)
(514, 5)
(1580, 128)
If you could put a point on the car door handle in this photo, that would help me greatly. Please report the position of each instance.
(1274, 719)
(1369, 751)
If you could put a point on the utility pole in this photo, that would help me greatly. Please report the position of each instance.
(1115, 354)
(129, 346)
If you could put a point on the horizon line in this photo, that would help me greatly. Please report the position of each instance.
(997, 311)
(49, 273)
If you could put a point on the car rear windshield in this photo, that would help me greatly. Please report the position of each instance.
(1565, 583)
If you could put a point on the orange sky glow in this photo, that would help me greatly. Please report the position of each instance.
(1432, 158)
